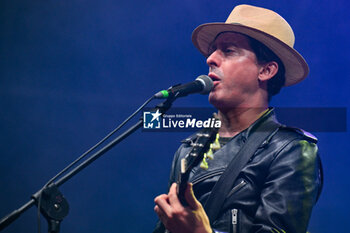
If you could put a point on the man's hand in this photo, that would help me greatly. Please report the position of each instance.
(178, 218)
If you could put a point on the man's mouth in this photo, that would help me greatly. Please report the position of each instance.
(215, 78)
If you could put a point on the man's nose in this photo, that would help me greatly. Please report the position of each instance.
(214, 59)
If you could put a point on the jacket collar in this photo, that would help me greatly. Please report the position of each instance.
(269, 115)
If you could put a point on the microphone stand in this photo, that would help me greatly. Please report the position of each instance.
(53, 205)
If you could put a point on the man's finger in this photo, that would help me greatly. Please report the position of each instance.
(162, 202)
(192, 201)
(160, 213)
(173, 198)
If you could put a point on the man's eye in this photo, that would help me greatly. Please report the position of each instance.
(228, 50)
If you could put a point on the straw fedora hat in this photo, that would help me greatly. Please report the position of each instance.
(264, 25)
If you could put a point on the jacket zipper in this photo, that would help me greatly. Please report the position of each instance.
(234, 216)
(237, 187)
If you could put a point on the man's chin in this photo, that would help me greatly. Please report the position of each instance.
(221, 103)
(215, 101)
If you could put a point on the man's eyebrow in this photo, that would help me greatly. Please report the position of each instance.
(229, 43)
(222, 44)
(214, 45)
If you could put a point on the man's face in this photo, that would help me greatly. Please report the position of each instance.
(234, 70)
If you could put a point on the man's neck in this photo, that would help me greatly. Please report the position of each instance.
(236, 120)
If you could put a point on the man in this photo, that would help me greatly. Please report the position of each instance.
(250, 57)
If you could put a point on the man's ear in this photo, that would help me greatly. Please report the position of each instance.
(268, 70)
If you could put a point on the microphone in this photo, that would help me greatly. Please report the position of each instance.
(203, 85)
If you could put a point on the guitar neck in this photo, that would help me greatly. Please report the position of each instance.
(192, 159)
(181, 187)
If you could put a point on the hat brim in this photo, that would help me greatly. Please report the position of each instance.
(296, 68)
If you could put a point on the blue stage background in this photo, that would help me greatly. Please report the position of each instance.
(70, 71)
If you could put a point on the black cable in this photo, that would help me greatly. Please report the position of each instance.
(86, 153)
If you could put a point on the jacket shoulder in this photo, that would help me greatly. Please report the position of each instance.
(299, 133)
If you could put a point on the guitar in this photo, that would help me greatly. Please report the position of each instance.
(202, 144)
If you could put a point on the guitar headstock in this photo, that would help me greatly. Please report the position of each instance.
(203, 140)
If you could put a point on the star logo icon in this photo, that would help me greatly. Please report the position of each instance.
(151, 120)
(156, 115)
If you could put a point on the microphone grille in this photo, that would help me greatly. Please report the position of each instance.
(207, 84)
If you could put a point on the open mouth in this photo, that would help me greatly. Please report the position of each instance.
(214, 77)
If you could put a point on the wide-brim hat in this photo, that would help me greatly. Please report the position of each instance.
(264, 25)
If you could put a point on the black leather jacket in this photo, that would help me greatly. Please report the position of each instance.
(275, 191)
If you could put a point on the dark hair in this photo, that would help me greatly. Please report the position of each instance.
(264, 55)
